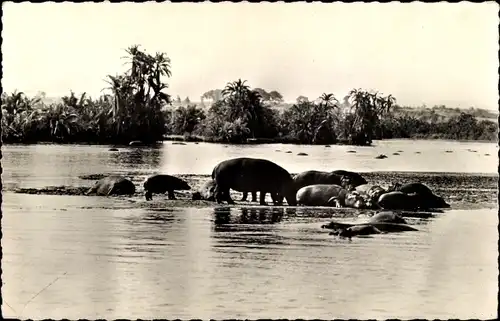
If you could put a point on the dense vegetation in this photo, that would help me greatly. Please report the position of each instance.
(133, 111)
(137, 108)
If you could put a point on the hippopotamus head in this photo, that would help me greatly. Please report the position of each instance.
(347, 233)
(196, 196)
(443, 203)
(436, 202)
(355, 200)
(183, 186)
(347, 183)
(394, 187)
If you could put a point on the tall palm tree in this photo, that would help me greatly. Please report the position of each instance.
(328, 99)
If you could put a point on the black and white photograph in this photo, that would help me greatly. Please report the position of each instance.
(220, 160)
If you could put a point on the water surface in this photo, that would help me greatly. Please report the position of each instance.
(102, 257)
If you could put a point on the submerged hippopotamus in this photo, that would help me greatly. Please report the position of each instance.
(253, 175)
(317, 177)
(112, 185)
(387, 217)
(329, 195)
(372, 228)
(205, 192)
(382, 217)
(354, 179)
(161, 184)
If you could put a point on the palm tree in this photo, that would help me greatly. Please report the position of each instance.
(236, 89)
(60, 122)
(367, 108)
(328, 99)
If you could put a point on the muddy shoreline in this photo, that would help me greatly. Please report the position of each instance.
(462, 191)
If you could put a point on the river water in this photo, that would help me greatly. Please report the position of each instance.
(95, 257)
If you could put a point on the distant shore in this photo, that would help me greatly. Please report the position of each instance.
(199, 139)
(250, 141)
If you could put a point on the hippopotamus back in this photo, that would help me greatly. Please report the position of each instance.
(355, 179)
(319, 194)
(399, 201)
(253, 174)
(417, 188)
(316, 178)
(427, 197)
(112, 185)
(161, 183)
(387, 217)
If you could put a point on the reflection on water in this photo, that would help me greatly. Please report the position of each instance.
(138, 158)
(238, 263)
(249, 215)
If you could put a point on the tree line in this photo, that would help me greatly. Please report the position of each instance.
(138, 108)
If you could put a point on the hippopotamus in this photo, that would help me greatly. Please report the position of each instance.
(387, 217)
(317, 177)
(246, 174)
(370, 191)
(112, 185)
(372, 228)
(163, 183)
(382, 217)
(205, 192)
(329, 195)
(355, 179)
(362, 229)
(427, 197)
(397, 200)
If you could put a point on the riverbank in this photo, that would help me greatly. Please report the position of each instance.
(249, 141)
(462, 191)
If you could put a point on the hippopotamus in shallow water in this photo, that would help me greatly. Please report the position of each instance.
(387, 217)
(382, 217)
(397, 200)
(112, 185)
(161, 184)
(253, 175)
(205, 192)
(355, 179)
(427, 197)
(317, 177)
(329, 195)
(370, 192)
(372, 228)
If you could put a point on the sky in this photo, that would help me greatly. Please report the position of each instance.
(420, 53)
